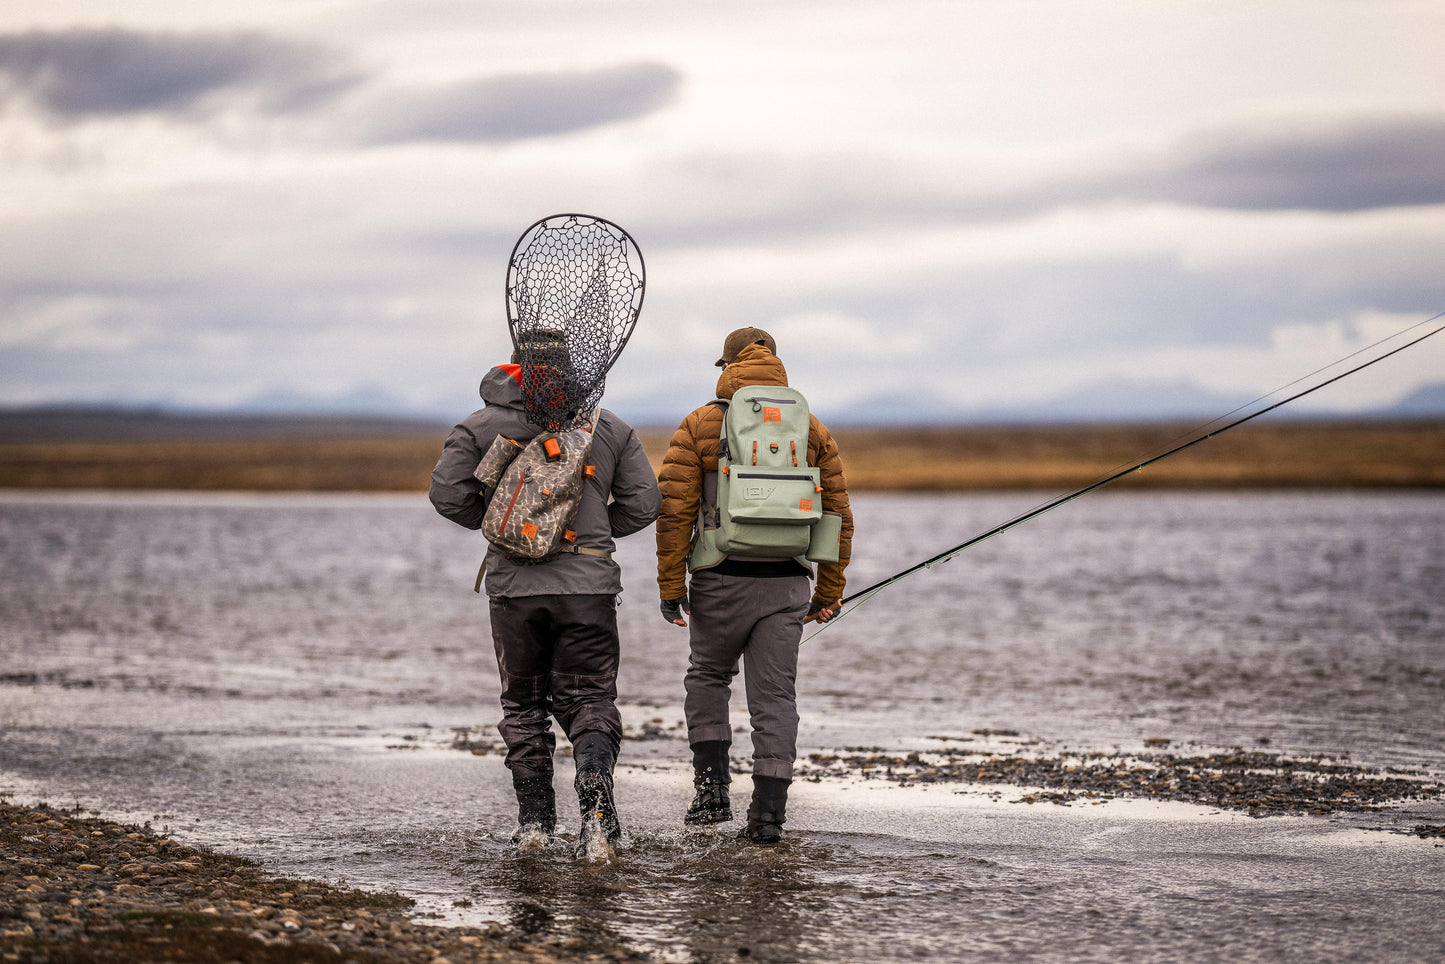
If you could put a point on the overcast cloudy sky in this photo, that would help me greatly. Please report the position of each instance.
(1064, 205)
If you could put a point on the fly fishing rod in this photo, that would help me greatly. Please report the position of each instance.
(1206, 433)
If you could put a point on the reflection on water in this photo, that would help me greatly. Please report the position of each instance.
(703, 896)
(284, 678)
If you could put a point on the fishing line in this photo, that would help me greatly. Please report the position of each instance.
(1197, 435)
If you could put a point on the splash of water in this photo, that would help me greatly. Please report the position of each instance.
(593, 846)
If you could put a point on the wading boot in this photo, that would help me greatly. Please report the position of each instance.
(536, 807)
(595, 754)
(765, 813)
(710, 778)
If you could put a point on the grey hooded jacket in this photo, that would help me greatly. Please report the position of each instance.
(622, 498)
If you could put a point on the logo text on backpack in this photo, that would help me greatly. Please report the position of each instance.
(757, 493)
(772, 414)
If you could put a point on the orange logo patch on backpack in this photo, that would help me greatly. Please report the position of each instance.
(772, 414)
(530, 530)
(805, 505)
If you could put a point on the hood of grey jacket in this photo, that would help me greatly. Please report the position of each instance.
(501, 387)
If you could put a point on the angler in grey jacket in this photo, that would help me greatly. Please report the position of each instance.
(554, 624)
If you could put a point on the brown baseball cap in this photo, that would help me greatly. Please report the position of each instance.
(741, 339)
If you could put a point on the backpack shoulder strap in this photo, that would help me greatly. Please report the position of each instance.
(723, 451)
(707, 505)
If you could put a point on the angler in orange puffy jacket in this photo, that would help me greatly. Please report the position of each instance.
(743, 609)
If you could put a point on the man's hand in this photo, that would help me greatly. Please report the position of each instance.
(820, 611)
(672, 610)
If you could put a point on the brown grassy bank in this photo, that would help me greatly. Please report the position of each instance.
(1269, 455)
(265, 465)
(1275, 454)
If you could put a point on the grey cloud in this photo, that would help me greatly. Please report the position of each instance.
(79, 73)
(518, 107)
(1347, 164)
(1352, 165)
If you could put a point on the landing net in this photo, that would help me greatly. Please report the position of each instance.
(574, 290)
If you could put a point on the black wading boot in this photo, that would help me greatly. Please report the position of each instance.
(595, 754)
(710, 777)
(765, 813)
(536, 807)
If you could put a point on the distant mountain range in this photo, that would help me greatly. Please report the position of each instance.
(1428, 401)
(1114, 402)
(92, 423)
(366, 401)
(370, 415)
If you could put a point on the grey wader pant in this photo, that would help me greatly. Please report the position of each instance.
(760, 621)
(557, 656)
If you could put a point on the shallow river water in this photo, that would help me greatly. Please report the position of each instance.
(308, 681)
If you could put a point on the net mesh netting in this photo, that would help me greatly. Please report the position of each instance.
(574, 290)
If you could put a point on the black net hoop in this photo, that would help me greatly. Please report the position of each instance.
(574, 291)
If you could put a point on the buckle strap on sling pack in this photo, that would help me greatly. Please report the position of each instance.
(579, 550)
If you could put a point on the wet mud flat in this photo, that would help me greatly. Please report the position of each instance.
(83, 890)
(1255, 782)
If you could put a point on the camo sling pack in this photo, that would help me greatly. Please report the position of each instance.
(536, 490)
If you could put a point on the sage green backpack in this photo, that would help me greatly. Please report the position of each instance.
(766, 501)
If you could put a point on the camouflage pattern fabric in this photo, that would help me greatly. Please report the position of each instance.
(532, 509)
(500, 455)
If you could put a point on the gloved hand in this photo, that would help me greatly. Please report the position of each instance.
(821, 611)
(672, 610)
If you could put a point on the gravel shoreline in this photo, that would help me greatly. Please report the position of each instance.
(84, 890)
(1253, 782)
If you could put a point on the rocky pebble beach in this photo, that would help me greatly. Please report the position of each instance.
(82, 890)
